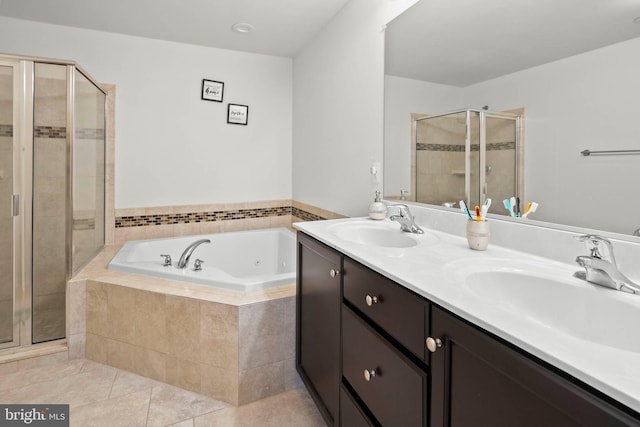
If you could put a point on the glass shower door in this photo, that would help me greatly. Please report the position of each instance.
(51, 177)
(441, 159)
(9, 332)
(501, 161)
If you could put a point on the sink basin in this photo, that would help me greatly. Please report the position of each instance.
(561, 302)
(379, 233)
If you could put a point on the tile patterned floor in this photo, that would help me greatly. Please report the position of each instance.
(99, 395)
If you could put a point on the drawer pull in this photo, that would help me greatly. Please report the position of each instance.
(370, 300)
(334, 273)
(433, 344)
(369, 375)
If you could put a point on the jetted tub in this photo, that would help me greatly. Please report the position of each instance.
(241, 260)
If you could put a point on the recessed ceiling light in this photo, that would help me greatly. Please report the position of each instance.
(242, 27)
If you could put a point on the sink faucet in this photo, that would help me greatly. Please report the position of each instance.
(405, 219)
(184, 258)
(600, 266)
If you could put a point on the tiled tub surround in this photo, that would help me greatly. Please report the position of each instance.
(231, 346)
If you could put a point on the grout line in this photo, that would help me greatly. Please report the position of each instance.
(113, 383)
(146, 419)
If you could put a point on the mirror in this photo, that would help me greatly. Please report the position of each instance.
(467, 155)
(571, 66)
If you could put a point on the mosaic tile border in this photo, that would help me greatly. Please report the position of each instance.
(84, 224)
(54, 132)
(6, 130)
(90, 133)
(194, 217)
(307, 216)
(49, 132)
(494, 146)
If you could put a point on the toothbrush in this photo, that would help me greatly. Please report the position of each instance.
(530, 209)
(485, 208)
(464, 209)
(478, 217)
(513, 206)
(518, 206)
(507, 206)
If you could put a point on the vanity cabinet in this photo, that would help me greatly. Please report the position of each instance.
(362, 353)
(318, 301)
(477, 380)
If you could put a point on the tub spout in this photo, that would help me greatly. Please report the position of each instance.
(184, 258)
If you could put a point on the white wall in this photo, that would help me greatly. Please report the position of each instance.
(338, 110)
(588, 101)
(171, 147)
(401, 98)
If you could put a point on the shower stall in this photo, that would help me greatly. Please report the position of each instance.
(468, 155)
(52, 192)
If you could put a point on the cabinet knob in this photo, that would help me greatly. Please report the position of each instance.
(334, 273)
(433, 344)
(369, 374)
(370, 300)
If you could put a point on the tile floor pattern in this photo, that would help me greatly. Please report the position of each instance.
(99, 395)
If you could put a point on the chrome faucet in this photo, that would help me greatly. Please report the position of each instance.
(184, 258)
(600, 266)
(405, 219)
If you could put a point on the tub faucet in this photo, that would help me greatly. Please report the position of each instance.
(405, 219)
(184, 258)
(600, 266)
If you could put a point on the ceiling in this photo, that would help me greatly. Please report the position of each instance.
(454, 42)
(281, 27)
(462, 42)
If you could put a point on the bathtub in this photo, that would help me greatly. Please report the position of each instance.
(242, 260)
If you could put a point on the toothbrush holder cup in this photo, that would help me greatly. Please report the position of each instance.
(478, 235)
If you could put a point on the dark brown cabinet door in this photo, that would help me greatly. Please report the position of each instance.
(479, 381)
(318, 324)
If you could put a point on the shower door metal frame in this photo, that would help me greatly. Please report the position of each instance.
(482, 115)
(21, 202)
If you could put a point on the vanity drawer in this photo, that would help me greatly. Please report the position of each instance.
(389, 305)
(392, 388)
(350, 414)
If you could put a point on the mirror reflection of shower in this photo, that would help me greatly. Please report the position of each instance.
(468, 155)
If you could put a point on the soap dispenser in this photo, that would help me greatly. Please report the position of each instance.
(377, 209)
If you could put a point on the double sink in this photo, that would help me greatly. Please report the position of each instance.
(545, 293)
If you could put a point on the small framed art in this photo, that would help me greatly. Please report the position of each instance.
(212, 90)
(238, 114)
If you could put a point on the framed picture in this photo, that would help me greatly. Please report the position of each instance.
(212, 90)
(238, 114)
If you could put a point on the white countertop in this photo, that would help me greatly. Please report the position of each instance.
(434, 269)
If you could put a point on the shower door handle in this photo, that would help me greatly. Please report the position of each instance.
(16, 204)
